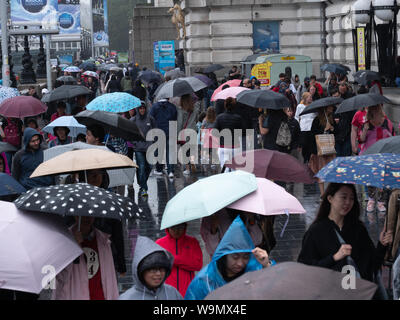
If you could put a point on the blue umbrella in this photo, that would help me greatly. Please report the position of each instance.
(67, 121)
(377, 170)
(6, 93)
(72, 69)
(116, 102)
(10, 186)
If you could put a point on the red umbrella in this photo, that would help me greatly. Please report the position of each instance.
(21, 107)
(231, 83)
(273, 165)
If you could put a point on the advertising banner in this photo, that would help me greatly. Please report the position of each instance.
(156, 56)
(33, 10)
(100, 23)
(266, 36)
(69, 16)
(263, 73)
(361, 48)
(166, 55)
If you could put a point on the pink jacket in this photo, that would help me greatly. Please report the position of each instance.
(73, 282)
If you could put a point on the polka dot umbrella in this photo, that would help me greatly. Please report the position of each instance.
(81, 199)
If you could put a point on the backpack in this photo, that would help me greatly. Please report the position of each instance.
(13, 135)
(284, 136)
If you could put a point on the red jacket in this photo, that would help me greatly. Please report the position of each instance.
(188, 258)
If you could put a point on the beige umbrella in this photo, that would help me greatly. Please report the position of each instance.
(80, 160)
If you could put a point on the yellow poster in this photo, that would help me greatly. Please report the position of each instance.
(263, 73)
(361, 48)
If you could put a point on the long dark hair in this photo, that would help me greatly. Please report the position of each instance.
(324, 209)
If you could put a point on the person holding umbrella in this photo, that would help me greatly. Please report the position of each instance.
(62, 137)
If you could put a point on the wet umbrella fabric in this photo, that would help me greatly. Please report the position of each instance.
(28, 243)
(175, 74)
(293, 281)
(180, 87)
(88, 66)
(66, 92)
(388, 145)
(66, 79)
(213, 68)
(78, 200)
(230, 83)
(66, 121)
(72, 69)
(6, 147)
(150, 76)
(362, 101)
(91, 74)
(204, 78)
(336, 68)
(232, 92)
(266, 99)
(364, 76)
(116, 102)
(21, 107)
(112, 123)
(321, 103)
(9, 186)
(7, 93)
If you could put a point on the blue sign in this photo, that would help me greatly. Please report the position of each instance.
(156, 56)
(32, 10)
(166, 55)
(266, 36)
(69, 16)
(100, 23)
(66, 59)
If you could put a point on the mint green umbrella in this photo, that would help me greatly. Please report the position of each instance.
(206, 196)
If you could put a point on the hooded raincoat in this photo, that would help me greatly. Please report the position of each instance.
(236, 239)
(145, 247)
(188, 258)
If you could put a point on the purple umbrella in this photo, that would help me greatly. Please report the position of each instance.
(204, 78)
(21, 107)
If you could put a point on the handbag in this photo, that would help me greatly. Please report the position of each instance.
(325, 143)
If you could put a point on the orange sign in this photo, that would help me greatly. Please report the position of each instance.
(263, 73)
(361, 48)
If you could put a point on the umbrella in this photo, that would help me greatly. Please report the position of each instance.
(78, 200)
(66, 92)
(9, 186)
(107, 67)
(364, 76)
(115, 69)
(269, 199)
(175, 74)
(66, 121)
(6, 93)
(293, 281)
(204, 78)
(30, 242)
(266, 99)
(362, 101)
(273, 165)
(116, 102)
(63, 66)
(112, 123)
(80, 160)
(66, 79)
(21, 107)
(231, 83)
(206, 196)
(118, 177)
(91, 74)
(388, 145)
(72, 69)
(336, 68)
(229, 93)
(180, 87)
(6, 147)
(168, 68)
(376, 170)
(88, 66)
(150, 76)
(321, 103)
(212, 68)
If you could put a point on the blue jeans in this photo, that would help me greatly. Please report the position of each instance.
(143, 172)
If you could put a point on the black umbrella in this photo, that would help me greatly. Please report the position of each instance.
(10, 186)
(388, 145)
(66, 92)
(212, 68)
(79, 199)
(88, 66)
(364, 76)
(150, 76)
(112, 123)
(6, 147)
(180, 87)
(362, 101)
(66, 79)
(321, 103)
(266, 99)
(336, 68)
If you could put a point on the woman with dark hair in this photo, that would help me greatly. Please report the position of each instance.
(314, 92)
(337, 238)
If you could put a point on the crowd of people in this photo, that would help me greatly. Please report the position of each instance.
(171, 267)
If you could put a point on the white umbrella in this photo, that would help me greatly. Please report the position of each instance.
(66, 121)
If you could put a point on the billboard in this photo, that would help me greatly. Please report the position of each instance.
(266, 36)
(100, 23)
(33, 10)
(69, 17)
(166, 55)
(156, 56)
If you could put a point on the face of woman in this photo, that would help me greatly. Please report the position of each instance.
(330, 109)
(154, 277)
(312, 90)
(90, 138)
(342, 201)
(309, 100)
(236, 263)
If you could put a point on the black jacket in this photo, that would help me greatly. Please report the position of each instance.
(231, 121)
(320, 243)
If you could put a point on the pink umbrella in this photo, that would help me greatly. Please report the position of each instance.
(231, 83)
(229, 93)
(21, 107)
(34, 248)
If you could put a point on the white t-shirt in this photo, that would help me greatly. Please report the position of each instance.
(306, 120)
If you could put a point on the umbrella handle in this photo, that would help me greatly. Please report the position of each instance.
(79, 224)
(286, 223)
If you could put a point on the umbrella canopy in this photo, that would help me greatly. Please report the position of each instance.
(376, 170)
(116, 102)
(304, 283)
(336, 68)
(175, 74)
(66, 121)
(321, 103)
(88, 66)
(364, 76)
(21, 107)
(9, 186)
(63, 66)
(118, 177)
(6, 147)
(229, 93)
(213, 68)
(66, 79)
(273, 165)
(180, 87)
(72, 69)
(112, 123)
(204, 78)
(66, 92)
(362, 101)
(115, 69)
(230, 83)
(29, 242)
(78, 200)
(91, 74)
(80, 160)
(7, 93)
(150, 76)
(206, 196)
(388, 145)
(266, 99)
(269, 199)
